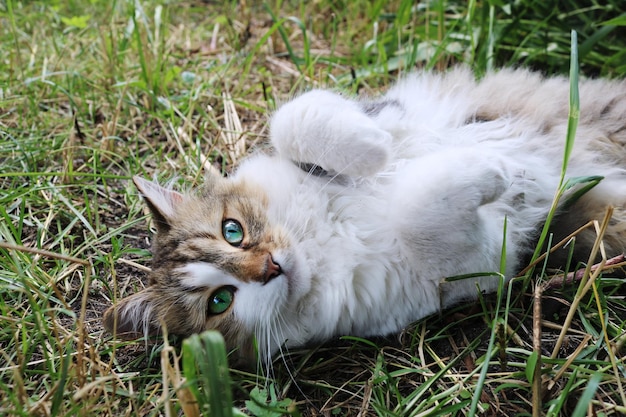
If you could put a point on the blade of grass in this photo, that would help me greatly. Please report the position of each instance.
(610, 351)
(281, 31)
(206, 369)
(574, 106)
(478, 389)
(584, 401)
(537, 402)
(572, 124)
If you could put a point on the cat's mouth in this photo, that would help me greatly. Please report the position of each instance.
(272, 269)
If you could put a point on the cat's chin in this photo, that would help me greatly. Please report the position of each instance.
(297, 276)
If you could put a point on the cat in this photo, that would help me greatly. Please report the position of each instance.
(350, 225)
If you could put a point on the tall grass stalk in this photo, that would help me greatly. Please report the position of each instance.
(572, 124)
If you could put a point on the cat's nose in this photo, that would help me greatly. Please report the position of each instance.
(272, 269)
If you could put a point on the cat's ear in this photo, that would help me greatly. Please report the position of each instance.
(133, 316)
(161, 201)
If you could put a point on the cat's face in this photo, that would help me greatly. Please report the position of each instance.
(217, 264)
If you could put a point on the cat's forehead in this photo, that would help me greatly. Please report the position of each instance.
(227, 199)
(235, 188)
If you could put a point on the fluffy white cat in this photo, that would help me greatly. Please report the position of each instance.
(352, 224)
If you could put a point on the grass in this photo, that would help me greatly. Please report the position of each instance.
(93, 91)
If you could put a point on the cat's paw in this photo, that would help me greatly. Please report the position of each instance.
(324, 129)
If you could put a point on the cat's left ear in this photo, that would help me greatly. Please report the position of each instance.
(161, 201)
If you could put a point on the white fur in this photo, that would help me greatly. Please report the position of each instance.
(308, 134)
(415, 194)
(204, 274)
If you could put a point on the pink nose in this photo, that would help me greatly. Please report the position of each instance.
(272, 269)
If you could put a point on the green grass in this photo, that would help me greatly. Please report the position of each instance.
(93, 91)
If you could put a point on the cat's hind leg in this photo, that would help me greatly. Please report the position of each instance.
(450, 211)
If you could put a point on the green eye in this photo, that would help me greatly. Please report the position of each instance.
(221, 299)
(233, 232)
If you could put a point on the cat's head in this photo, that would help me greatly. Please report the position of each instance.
(218, 263)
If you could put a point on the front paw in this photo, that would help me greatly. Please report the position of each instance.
(324, 129)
